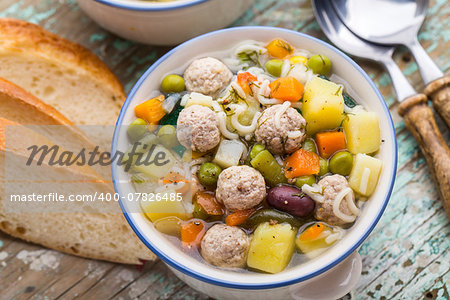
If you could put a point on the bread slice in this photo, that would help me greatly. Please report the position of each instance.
(76, 228)
(63, 74)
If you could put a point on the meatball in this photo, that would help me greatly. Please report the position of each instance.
(240, 187)
(331, 186)
(207, 76)
(225, 246)
(282, 138)
(197, 128)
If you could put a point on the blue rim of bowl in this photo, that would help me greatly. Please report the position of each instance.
(215, 281)
(146, 6)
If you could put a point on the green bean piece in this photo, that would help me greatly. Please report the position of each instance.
(341, 163)
(271, 215)
(266, 164)
(307, 179)
(256, 149)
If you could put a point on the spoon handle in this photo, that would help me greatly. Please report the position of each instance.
(439, 93)
(420, 121)
(425, 64)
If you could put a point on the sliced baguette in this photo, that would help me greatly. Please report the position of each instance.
(96, 234)
(63, 74)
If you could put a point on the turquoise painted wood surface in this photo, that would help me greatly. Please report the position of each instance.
(406, 257)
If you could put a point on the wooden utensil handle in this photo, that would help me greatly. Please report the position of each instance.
(439, 93)
(420, 121)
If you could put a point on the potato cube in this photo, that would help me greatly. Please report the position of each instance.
(323, 105)
(271, 247)
(365, 173)
(362, 131)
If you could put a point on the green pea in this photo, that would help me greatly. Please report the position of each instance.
(256, 149)
(274, 66)
(309, 145)
(323, 163)
(341, 163)
(172, 84)
(167, 135)
(307, 179)
(137, 129)
(209, 173)
(320, 64)
(270, 215)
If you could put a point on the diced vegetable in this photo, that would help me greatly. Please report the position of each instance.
(286, 89)
(206, 206)
(291, 200)
(312, 241)
(301, 162)
(341, 163)
(279, 48)
(199, 99)
(307, 179)
(323, 105)
(298, 60)
(169, 225)
(267, 165)
(271, 247)
(239, 217)
(330, 142)
(172, 84)
(167, 135)
(323, 163)
(192, 233)
(309, 145)
(363, 132)
(348, 100)
(208, 174)
(141, 146)
(179, 182)
(163, 207)
(245, 81)
(256, 149)
(271, 215)
(157, 162)
(274, 67)
(365, 173)
(319, 64)
(137, 129)
(229, 153)
(151, 110)
(171, 119)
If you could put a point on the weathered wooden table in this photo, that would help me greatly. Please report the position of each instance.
(406, 257)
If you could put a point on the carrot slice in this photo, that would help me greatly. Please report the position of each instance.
(301, 162)
(151, 110)
(192, 233)
(312, 232)
(208, 202)
(279, 48)
(245, 81)
(287, 89)
(330, 142)
(239, 217)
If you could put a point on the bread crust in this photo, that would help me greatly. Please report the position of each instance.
(31, 103)
(21, 36)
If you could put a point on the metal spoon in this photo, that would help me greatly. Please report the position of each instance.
(413, 107)
(393, 22)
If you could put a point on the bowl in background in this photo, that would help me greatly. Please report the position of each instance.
(340, 266)
(163, 23)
